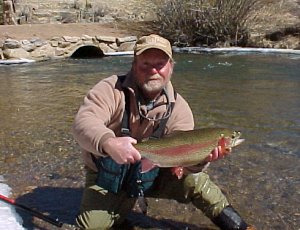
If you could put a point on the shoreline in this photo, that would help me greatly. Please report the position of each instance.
(236, 50)
(41, 42)
(48, 31)
(190, 50)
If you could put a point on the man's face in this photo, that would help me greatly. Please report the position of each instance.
(152, 70)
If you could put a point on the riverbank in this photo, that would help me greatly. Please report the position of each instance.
(50, 41)
(38, 42)
(48, 31)
(276, 24)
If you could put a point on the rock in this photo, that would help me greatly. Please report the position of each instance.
(1, 54)
(59, 52)
(27, 45)
(114, 46)
(15, 53)
(106, 39)
(46, 51)
(86, 37)
(126, 46)
(71, 39)
(63, 44)
(54, 43)
(11, 44)
(38, 42)
(126, 39)
(106, 48)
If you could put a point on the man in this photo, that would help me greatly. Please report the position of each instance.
(118, 112)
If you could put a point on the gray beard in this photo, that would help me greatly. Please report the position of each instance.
(152, 87)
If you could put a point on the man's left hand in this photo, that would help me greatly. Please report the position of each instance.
(215, 154)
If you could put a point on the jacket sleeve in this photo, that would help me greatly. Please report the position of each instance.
(182, 117)
(100, 106)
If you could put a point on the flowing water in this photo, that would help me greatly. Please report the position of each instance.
(257, 94)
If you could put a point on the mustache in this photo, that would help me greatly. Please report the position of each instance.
(155, 76)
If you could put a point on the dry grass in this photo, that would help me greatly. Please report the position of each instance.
(274, 15)
(237, 23)
(207, 22)
(200, 22)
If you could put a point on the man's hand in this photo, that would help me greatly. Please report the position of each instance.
(121, 149)
(215, 154)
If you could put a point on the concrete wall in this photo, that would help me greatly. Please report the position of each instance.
(66, 46)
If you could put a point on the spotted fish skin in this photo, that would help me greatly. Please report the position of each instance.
(187, 148)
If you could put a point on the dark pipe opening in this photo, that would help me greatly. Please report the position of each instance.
(88, 52)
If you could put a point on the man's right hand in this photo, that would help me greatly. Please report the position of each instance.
(121, 149)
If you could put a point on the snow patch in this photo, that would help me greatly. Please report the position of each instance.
(9, 219)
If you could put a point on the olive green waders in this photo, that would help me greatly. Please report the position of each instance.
(101, 209)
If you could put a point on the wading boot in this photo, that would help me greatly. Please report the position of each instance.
(229, 219)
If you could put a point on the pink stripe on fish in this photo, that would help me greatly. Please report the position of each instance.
(180, 149)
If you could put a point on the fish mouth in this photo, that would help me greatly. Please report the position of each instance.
(236, 142)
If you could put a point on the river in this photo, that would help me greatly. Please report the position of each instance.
(254, 93)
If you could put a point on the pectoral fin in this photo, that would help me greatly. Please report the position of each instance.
(147, 165)
(178, 171)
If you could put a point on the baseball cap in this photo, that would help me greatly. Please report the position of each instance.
(153, 41)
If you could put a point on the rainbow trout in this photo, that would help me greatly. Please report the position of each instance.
(186, 148)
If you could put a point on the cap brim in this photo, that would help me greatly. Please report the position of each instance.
(153, 47)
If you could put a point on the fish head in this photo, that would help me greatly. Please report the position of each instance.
(229, 141)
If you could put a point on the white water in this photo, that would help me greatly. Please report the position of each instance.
(235, 50)
(9, 219)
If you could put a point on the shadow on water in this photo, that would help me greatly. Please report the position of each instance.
(62, 204)
(142, 221)
(58, 203)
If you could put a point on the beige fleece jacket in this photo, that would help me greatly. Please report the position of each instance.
(100, 115)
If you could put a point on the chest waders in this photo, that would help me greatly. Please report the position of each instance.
(113, 176)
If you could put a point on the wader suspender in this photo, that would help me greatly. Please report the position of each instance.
(113, 176)
(140, 179)
(158, 132)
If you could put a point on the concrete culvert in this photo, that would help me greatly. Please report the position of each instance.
(88, 52)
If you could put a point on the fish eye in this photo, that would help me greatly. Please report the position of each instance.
(236, 134)
(233, 134)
